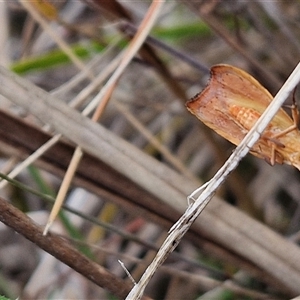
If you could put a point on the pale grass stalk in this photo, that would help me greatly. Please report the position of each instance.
(128, 55)
(95, 83)
(77, 79)
(130, 51)
(172, 159)
(64, 187)
(31, 159)
(207, 191)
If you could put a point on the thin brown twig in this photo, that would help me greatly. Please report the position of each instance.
(62, 250)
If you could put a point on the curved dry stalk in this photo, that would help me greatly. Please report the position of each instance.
(130, 52)
(172, 159)
(95, 83)
(208, 190)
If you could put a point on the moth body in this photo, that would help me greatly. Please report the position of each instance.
(245, 116)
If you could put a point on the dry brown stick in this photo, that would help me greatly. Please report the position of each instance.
(62, 250)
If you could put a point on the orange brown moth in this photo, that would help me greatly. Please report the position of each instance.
(231, 104)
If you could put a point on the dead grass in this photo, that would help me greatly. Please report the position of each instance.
(146, 154)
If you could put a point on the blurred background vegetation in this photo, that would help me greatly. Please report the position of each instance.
(146, 107)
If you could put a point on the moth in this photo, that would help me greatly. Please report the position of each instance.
(231, 104)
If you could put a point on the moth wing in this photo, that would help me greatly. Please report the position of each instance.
(213, 112)
(229, 86)
(241, 89)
